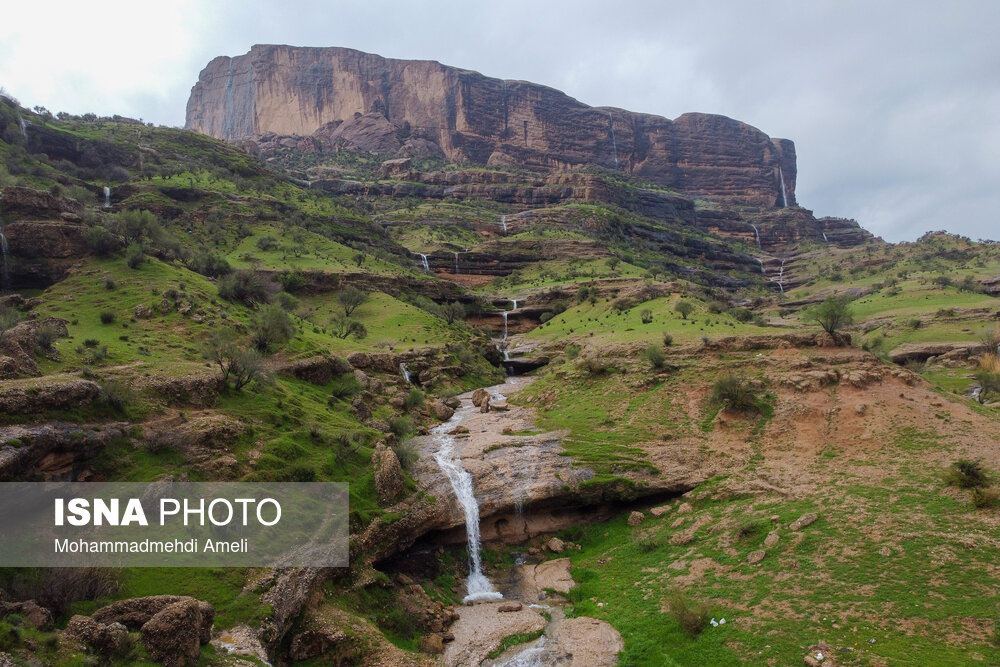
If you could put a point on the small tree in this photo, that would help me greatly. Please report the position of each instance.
(236, 362)
(833, 314)
(350, 298)
(685, 308)
(656, 356)
(646, 315)
(452, 311)
(272, 327)
(344, 326)
(613, 263)
(359, 259)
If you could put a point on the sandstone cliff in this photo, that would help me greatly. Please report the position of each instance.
(344, 98)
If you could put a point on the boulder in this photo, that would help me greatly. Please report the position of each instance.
(479, 397)
(433, 644)
(388, 473)
(657, 512)
(508, 607)
(106, 639)
(755, 557)
(33, 613)
(498, 405)
(635, 518)
(804, 520)
(174, 635)
(136, 612)
(442, 411)
(771, 539)
(555, 545)
(142, 312)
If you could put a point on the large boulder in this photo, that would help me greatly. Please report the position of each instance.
(174, 635)
(106, 639)
(479, 397)
(136, 612)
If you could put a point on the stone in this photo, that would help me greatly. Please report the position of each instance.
(388, 473)
(804, 520)
(635, 518)
(29, 610)
(453, 402)
(142, 312)
(107, 639)
(508, 607)
(755, 557)
(658, 512)
(684, 508)
(442, 411)
(498, 406)
(555, 545)
(860, 409)
(771, 539)
(811, 661)
(683, 537)
(678, 522)
(479, 397)
(885, 551)
(174, 635)
(433, 644)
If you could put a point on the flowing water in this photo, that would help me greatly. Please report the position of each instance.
(456, 263)
(503, 221)
(423, 258)
(824, 237)
(505, 313)
(756, 234)
(784, 200)
(107, 197)
(478, 586)
(405, 372)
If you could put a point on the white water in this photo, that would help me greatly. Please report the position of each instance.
(784, 200)
(755, 233)
(781, 277)
(24, 128)
(107, 197)
(824, 237)
(477, 585)
(505, 325)
(514, 301)
(456, 263)
(761, 262)
(405, 373)
(614, 144)
(423, 258)
(503, 221)
(529, 657)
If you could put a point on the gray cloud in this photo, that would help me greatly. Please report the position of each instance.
(892, 105)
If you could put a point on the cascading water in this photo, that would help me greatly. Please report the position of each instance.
(4, 264)
(477, 585)
(505, 313)
(456, 263)
(756, 234)
(503, 221)
(24, 127)
(781, 277)
(784, 200)
(763, 272)
(824, 237)
(423, 259)
(514, 301)
(614, 144)
(107, 197)
(405, 372)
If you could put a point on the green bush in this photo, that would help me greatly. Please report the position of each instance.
(406, 452)
(736, 394)
(691, 616)
(271, 327)
(107, 316)
(117, 395)
(245, 287)
(401, 426)
(967, 474)
(414, 399)
(134, 256)
(8, 318)
(655, 356)
(344, 387)
(668, 339)
(646, 315)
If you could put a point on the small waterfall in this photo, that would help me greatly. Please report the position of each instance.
(24, 127)
(514, 301)
(824, 237)
(503, 221)
(756, 234)
(107, 197)
(780, 279)
(423, 259)
(784, 200)
(614, 144)
(477, 585)
(505, 313)
(763, 272)
(456, 263)
(405, 372)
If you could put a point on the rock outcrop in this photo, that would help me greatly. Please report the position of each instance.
(321, 99)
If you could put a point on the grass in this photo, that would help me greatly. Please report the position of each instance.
(514, 640)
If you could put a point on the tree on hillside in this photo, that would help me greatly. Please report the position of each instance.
(271, 327)
(237, 363)
(452, 311)
(685, 308)
(343, 326)
(350, 298)
(833, 314)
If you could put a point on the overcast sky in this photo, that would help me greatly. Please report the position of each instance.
(894, 107)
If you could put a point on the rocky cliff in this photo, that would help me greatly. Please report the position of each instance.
(338, 97)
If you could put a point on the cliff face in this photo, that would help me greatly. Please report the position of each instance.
(341, 97)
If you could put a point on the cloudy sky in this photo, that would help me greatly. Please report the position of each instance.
(894, 107)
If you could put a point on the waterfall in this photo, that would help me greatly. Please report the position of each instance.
(107, 197)
(24, 127)
(763, 272)
(514, 301)
(505, 325)
(784, 200)
(614, 144)
(824, 237)
(423, 258)
(503, 221)
(405, 373)
(781, 277)
(756, 234)
(478, 586)
(456, 263)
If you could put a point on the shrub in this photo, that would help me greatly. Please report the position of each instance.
(967, 474)
(594, 365)
(736, 394)
(572, 351)
(287, 302)
(8, 318)
(46, 336)
(668, 340)
(344, 387)
(646, 315)
(107, 316)
(351, 298)
(134, 256)
(982, 498)
(271, 328)
(742, 314)
(266, 243)
(401, 426)
(691, 616)
(245, 287)
(414, 399)
(833, 314)
(209, 264)
(655, 356)
(101, 241)
(343, 326)
(118, 395)
(452, 312)
(406, 452)
(110, 284)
